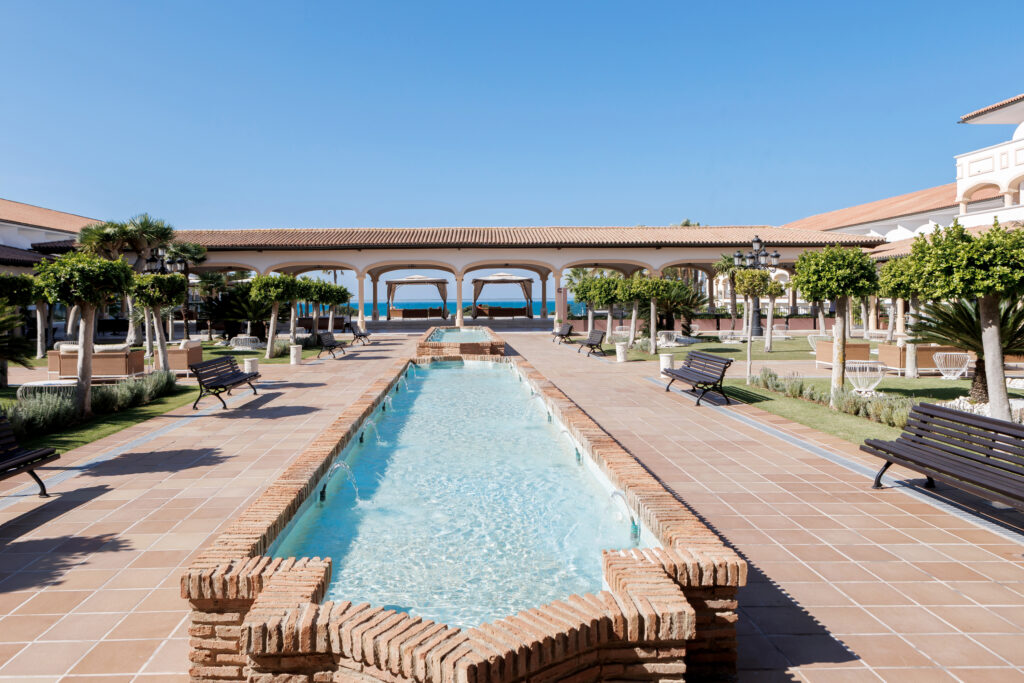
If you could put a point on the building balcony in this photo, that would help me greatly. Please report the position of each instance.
(999, 168)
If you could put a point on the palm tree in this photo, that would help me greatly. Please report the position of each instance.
(725, 266)
(14, 348)
(210, 285)
(144, 235)
(958, 323)
(682, 301)
(191, 254)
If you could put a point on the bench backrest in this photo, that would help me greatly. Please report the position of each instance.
(982, 440)
(212, 369)
(8, 444)
(327, 339)
(564, 330)
(595, 337)
(707, 362)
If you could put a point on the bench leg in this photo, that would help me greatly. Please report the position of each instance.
(702, 392)
(198, 398)
(669, 383)
(221, 399)
(721, 390)
(878, 477)
(251, 387)
(929, 483)
(42, 486)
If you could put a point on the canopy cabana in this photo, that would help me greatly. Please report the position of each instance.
(440, 283)
(526, 283)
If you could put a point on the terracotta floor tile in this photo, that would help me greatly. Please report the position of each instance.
(910, 619)
(53, 602)
(117, 656)
(886, 650)
(87, 627)
(955, 650)
(25, 628)
(906, 675)
(45, 658)
(147, 625)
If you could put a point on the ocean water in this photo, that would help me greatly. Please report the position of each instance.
(463, 504)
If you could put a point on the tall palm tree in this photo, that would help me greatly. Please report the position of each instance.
(210, 285)
(144, 235)
(958, 323)
(682, 301)
(192, 254)
(725, 266)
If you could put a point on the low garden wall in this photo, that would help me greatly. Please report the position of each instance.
(668, 611)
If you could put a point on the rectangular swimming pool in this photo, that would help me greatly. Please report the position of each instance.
(458, 335)
(462, 501)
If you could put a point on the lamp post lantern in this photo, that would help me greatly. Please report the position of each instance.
(758, 257)
(158, 263)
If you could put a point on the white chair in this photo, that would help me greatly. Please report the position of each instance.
(865, 376)
(952, 364)
(667, 338)
(780, 331)
(813, 340)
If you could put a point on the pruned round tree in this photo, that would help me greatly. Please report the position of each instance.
(836, 273)
(989, 267)
(750, 284)
(157, 293)
(275, 290)
(86, 281)
(901, 279)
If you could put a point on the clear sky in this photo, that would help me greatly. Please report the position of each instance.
(322, 114)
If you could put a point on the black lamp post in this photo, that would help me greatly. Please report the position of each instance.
(158, 263)
(758, 257)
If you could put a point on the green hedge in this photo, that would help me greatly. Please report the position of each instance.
(888, 410)
(48, 413)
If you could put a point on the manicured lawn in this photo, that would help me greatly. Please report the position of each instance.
(211, 351)
(782, 349)
(850, 427)
(105, 425)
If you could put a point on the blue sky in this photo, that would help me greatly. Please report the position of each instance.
(247, 114)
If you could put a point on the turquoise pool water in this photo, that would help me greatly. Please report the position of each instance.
(463, 504)
(455, 334)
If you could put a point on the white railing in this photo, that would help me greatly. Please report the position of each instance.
(997, 165)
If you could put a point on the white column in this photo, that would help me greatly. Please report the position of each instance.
(963, 208)
(373, 283)
(362, 299)
(458, 300)
(544, 297)
(1008, 198)
(561, 300)
(654, 317)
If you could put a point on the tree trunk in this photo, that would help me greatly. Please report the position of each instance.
(147, 319)
(161, 340)
(979, 383)
(170, 323)
(911, 349)
(839, 350)
(272, 332)
(293, 323)
(654, 326)
(750, 342)
(632, 323)
(316, 319)
(41, 329)
(732, 299)
(590, 318)
(890, 330)
(768, 332)
(330, 319)
(998, 400)
(608, 325)
(71, 323)
(184, 305)
(864, 317)
(248, 328)
(209, 325)
(821, 316)
(83, 396)
(133, 329)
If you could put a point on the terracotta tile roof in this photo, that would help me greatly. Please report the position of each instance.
(990, 108)
(891, 250)
(54, 246)
(425, 238)
(36, 216)
(12, 256)
(941, 197)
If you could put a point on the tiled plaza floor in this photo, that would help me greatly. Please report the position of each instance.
(89, 579)
(847, 583)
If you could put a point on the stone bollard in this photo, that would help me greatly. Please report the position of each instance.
(251, 364)
(296, 354)
(667, 362)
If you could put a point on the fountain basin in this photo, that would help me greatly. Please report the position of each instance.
(460, 341)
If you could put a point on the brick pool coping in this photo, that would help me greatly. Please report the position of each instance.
(494, 346)
(667, 610)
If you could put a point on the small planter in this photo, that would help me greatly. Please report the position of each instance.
(296, 354)
(620, 351)
(667, 362)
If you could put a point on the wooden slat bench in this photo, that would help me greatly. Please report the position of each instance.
(592, 342)
(562, 334)
(329, 344)
(981, 455)
(220, 375)
(360, 335)
(704, 371)
(14, 459)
